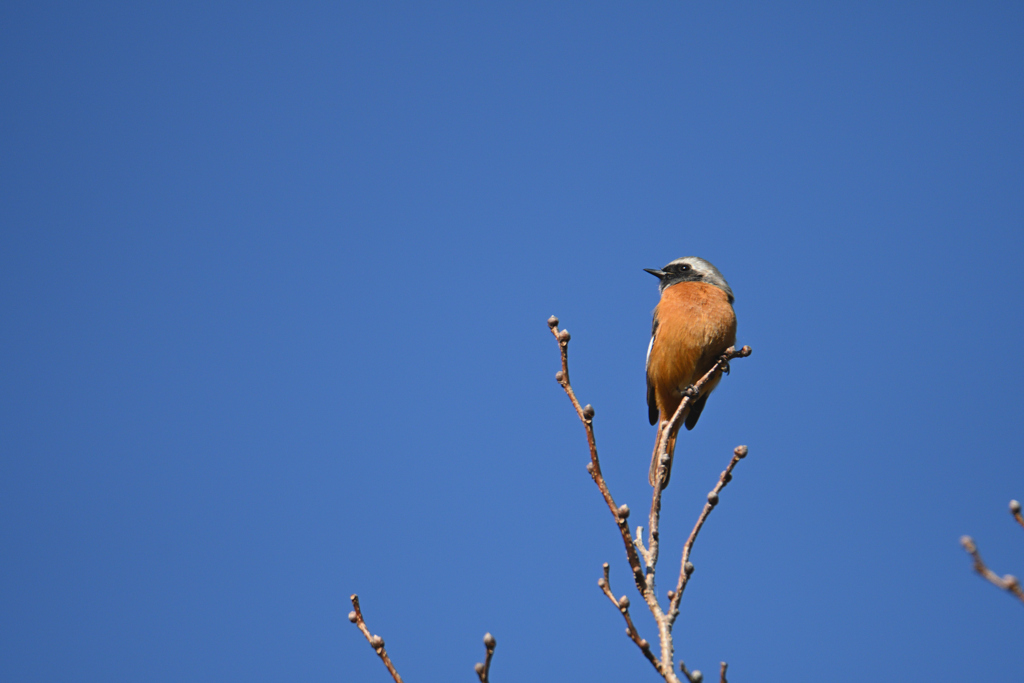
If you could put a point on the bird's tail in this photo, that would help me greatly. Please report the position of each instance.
(652, 476)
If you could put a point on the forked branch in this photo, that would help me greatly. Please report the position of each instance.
(644, 576)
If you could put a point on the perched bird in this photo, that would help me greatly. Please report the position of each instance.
(694, 324)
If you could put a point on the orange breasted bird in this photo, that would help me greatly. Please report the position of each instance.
(694, 324)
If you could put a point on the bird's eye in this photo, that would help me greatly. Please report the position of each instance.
(684, 267)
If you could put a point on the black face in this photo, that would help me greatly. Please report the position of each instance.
(683, 270)
(679, 272)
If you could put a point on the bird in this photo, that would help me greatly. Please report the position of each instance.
(694, 324)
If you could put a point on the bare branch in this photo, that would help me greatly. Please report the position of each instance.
(686, 567)
(1015, 511)
(722, 677)
(483, 670)
(376, 642)
(586, 415)
(1007, 583)
(623, 606)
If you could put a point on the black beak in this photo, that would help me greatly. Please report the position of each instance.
(656, 273)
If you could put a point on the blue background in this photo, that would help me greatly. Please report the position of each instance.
(274, 288)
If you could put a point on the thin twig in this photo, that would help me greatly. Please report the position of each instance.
(685, 566)
(1007, 583)
(721, 678)
(586, 415)
(639, 540)
(483, 669)
(694, 676)
(376, 642)
(1015, 511)
(623, 606)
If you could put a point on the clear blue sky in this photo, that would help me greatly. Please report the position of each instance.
(274, 287)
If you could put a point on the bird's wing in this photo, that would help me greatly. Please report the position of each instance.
(652, 403)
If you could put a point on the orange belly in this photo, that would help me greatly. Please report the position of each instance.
(696, 324)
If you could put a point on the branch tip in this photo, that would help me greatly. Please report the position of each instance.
(376, 642)
(483, 669)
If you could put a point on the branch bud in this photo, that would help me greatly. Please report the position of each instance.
(489, 641)
(588, 412)
(688, 567)
(479, 668)
(671, 594)
(713, 498)
(602, 583)
(624, 602)
(552, 322)
(1014, 507)
(740, 451)
(376, 642)
(644, 645)
(696, 676)
(353, 617)
(726, 476)
(1010, 580)
(564, 337)
(590, 467)
(623, 511)
(559, 376)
